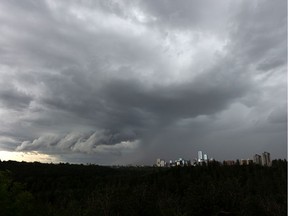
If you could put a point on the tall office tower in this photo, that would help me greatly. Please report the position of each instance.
(205, 157)
(266, 159)
(257, 159)
(200, 156)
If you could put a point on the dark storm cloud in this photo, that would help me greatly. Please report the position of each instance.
(13, 99)
(130, 103)
(174, 102)
(148, 78)
(259, 36)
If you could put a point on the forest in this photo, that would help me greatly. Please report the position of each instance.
(85, 190)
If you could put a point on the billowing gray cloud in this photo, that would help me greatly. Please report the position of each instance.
(93, 142)
(14, 99)
(117, 82)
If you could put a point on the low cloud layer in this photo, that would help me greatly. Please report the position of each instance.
(117, 82)
(97, 142)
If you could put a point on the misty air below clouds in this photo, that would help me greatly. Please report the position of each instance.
(118, 82)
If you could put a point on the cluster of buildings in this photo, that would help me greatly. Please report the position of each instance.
(179, 162)
(263, 160)
(202, 159)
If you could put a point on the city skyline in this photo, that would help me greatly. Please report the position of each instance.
(124, 82)
(264, 159)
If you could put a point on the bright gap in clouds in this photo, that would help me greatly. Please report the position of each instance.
(27, 156)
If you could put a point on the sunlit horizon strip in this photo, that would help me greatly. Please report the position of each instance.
(33, 156)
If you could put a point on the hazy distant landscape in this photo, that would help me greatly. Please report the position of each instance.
(68, 190)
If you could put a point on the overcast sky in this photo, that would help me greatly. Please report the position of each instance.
(126, 82)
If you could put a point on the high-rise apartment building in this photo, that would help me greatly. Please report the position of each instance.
(200, 156)
(257, 159)
(266, 159)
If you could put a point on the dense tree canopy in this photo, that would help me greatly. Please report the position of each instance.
(64, 189)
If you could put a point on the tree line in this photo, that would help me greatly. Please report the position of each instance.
(86, 190)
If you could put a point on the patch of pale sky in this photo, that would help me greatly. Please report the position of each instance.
(189, 53)
(235, 117)
(272, 78)
(28, 157)
(97, 21)
(141, 17)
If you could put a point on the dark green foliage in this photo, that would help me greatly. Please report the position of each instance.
(14, 199)
(68, 190)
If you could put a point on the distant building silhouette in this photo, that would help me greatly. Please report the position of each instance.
(257, 159)
(229, 162)
(243, 162)
(266, 159)
(179, 162)
(160, 163)
(246, 162)
(182, 162)
(205, 157)
(200, 156)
